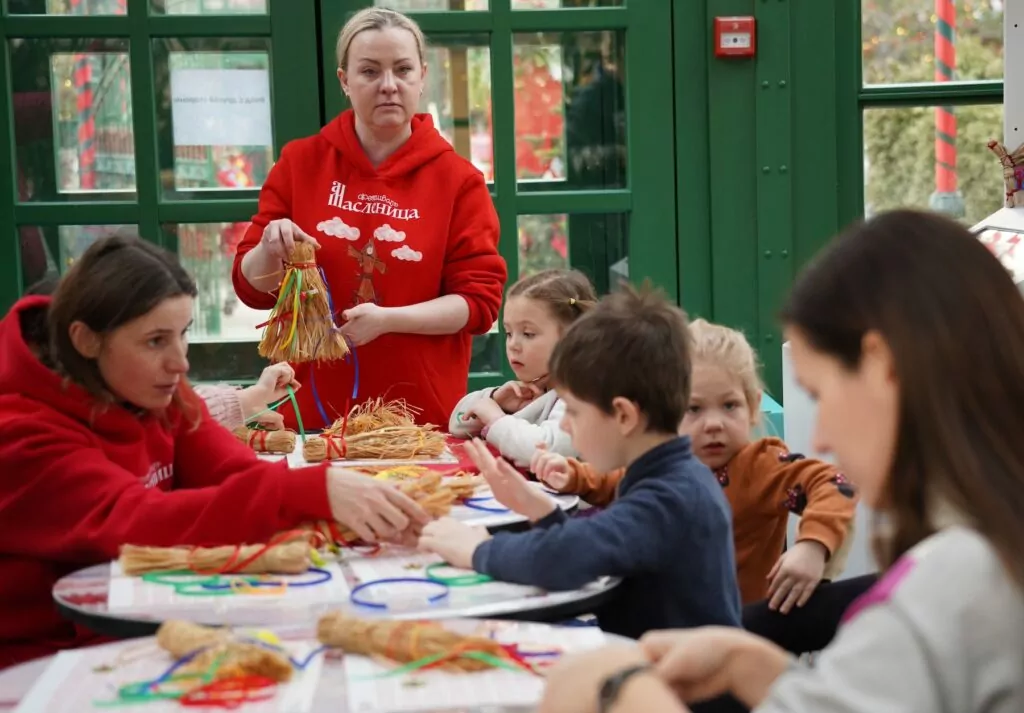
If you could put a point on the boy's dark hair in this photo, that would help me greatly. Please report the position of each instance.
(568, 294)
(634, 344)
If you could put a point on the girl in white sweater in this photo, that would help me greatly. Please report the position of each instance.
(517, 416)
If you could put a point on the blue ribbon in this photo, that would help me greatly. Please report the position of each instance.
(312, 367)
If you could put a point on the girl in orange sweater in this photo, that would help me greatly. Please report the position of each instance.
(763, 481)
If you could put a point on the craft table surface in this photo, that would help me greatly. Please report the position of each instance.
(331, 697)
(455, 459)
(82, 597)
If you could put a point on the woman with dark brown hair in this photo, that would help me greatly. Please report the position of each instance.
(104, 443)
(909, 334)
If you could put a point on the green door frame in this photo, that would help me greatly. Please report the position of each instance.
(650, 195)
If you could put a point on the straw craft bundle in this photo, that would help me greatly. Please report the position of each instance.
(462, 484)
(288, 555)
(405, 641)
(301, 327)
(429, 492)
(379, 430)
(234, 658)
(263, 441)
(1013, 173)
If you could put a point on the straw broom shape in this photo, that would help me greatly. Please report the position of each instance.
(263, 441)
(376, 429)
(236, 658)
(301, 327)
(1013, 172)
(429, 492)
(288, 554)
(404, 641)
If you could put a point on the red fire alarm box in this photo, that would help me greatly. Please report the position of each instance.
(735, 37)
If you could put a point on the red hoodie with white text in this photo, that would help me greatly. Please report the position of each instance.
(418, 226)
(78, 480)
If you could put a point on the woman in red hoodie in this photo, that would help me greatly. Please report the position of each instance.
(104, 443)
(406, 230)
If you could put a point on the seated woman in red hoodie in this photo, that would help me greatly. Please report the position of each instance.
(406, 231)
(105, 443)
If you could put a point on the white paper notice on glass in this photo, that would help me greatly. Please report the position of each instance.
(221, 107)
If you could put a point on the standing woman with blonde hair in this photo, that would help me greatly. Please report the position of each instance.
(405, 231)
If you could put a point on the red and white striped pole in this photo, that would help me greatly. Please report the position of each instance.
(946, 198)
(82, 81)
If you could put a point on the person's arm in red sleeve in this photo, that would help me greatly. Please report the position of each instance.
(473, 276)
(69, 502)
(275, 203)
(473, 267)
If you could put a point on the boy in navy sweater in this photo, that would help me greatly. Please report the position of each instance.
(623, 370)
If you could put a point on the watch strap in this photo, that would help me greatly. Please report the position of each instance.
(612, 686)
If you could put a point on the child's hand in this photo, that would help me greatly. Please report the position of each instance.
(509, 487)
(486, 410)
(796, 575)
(514, 395)
(453, 540)
(272, 386)
(550, 468)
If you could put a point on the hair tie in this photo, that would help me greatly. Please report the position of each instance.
(572, 301)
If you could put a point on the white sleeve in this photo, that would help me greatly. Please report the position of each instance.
(517, 438)
(466, 428)
(877, 664)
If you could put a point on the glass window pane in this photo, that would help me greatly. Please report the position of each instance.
(432, 5)
(909, 163)
(458, 96)
(73, 119)
(570, 110)
(555, 4)
(208, 7)
(67, 7)
(215, 128)
(595, 243)
(48, 251)
(906, 41)
(488, 352)
(207, 250)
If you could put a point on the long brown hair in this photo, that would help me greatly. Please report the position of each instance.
(116, 280)
(954, 322)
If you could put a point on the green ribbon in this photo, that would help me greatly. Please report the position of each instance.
(459, 580)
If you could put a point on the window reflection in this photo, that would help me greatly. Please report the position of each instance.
(73, 129)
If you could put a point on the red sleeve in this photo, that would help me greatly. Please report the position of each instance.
(275, 203)
(473, 268)
(70, 502)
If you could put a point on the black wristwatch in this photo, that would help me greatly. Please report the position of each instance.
(612, 686)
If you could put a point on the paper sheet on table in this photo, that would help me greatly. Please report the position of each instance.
(371, 690)
(134, 594)
(79, 680)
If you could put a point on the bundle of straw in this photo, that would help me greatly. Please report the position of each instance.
(377, 430)
(263, 441)
(233, 658)
(288, 554)
(429, 492)
(463, 485)
(301, 327)
(406, 641)
(1013, 172)
(390, 443)
(375, 414)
